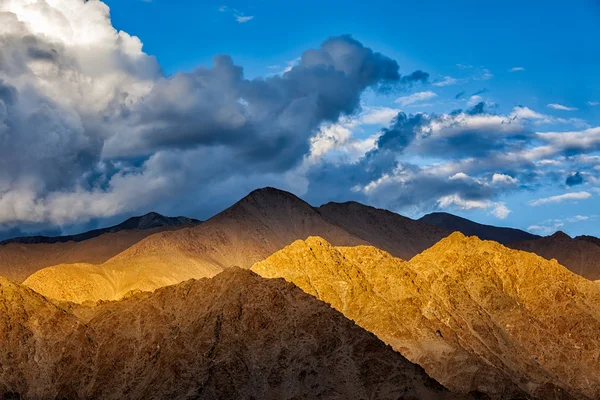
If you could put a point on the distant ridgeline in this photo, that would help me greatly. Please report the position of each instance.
(148, 221)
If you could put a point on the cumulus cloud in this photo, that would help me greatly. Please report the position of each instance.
(574, 196)
(91, 127)
(504, 179)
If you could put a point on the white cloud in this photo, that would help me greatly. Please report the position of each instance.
(526, 113)
(464, 66)
(239, 16)
(447, 81)
(504, 179)
(474, 100)
(561, 198)
(415, 98)
(516, 69)
(550, 226)
(487, 74)
(378, 115)
(545, 230)
(498, 209)
(244, 18)
(593, 103)
(561, 107)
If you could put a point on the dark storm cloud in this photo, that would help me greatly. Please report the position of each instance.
(415, 77)
(264, 118)
(402, 132)
(575, 179)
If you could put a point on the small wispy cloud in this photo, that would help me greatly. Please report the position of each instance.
(561, 107)
(239, 16)
(244, 18)
(475, 99)
(447, 81)
(415, 98)
(487, 74)
(593, 103)
(550, 226)
(561, 198)
(282, 70)
(516, 69)
(464, 66)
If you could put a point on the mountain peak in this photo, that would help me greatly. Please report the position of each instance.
(560, 235)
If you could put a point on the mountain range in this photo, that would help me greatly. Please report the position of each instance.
(234, 336)
(21, 257)
(170, 307)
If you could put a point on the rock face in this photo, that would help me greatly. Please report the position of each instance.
(400, 236)
(21, 257)
(581, 255)
(233, 336)
(454, 223)
(474, 314)
(257, 226)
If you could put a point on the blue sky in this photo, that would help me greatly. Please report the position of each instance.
(523, 152)
(556, 44)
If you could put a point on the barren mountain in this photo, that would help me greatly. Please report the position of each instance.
(454, 223)
(475, 314)
(233, 336)
(590, 239)
(262, 223)
(400, 236)
(581, 255)
(21, 257)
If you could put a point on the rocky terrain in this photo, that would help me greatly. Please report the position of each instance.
(262, 223)
(233, 336)
(400, 236)
(581, 255)
(21, 257)
(475, 314)
(467, 227)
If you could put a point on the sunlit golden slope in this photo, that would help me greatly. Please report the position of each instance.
(257, 226)
(474, 314)
(235, 336)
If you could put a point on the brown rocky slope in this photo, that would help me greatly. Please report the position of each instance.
(233, 336)
(581, 255)
(474, 314)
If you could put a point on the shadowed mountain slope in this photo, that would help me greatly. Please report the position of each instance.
(233, 336)
(589, 239)
(22, 257)
(400, 236)
(581, 255)
(474, 314)
(454, 223)
(260, 224)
